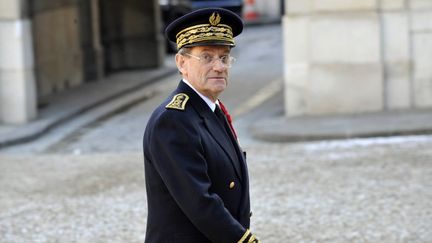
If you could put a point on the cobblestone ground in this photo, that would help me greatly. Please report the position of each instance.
(365, 190)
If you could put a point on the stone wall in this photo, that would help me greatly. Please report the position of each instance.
(57, 39)
(349, 56)
(50, 46)
(421, 35)
(78, 40)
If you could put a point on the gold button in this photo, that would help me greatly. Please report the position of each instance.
(231, 185)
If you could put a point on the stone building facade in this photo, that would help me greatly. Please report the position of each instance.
(350, 56)
(49, 46)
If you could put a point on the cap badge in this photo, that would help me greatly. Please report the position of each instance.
(214, 19)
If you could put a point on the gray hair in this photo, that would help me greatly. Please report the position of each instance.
(183, 51)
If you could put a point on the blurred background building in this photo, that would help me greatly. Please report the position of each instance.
(349, 56)
(341, 56)
(50, 46)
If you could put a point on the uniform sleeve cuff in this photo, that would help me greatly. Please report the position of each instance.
(248, 237)
(244, 237)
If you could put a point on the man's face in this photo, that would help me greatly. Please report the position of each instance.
(210, 79)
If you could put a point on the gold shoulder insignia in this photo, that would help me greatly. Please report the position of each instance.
(178, 102)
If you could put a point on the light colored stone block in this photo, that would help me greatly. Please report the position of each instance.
(421, 21)
(342, 59)
(17, 84)
(10, 9)
(309, 6)
(423, 55)
(296, 57)
(344, 5)
(392, 4)
(353, 38)
(296, 88)
(396, 55)
(16, 48)
(396, 40)
(296, 39)
(344, 89)
(423, 69)
(17, 96)
(398, 86)
(420, 4)
(298, 6)
(423, 94)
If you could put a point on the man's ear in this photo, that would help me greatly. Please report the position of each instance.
(181, 63)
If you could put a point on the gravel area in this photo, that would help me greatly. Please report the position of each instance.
(359, 190)
(72, 198)
(354, 191)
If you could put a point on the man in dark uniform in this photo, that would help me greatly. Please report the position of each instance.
(196, 174)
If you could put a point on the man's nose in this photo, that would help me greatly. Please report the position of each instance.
(218, 65)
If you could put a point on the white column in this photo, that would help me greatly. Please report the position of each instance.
(396, 55)
(333, 57)
(349, 56)
(17, 81)
(421, 35)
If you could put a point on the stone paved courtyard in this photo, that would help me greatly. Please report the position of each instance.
(360, 190)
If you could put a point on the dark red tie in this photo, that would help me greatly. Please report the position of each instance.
(228, 117)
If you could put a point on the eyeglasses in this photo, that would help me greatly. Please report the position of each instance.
(207, 59)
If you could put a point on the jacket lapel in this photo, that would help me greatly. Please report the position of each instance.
(213, 126)
(219, 134)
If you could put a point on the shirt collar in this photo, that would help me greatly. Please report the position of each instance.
(211, 104)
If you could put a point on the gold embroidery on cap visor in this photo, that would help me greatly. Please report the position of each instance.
(205, 32)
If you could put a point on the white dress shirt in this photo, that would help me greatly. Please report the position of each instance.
(210, 103)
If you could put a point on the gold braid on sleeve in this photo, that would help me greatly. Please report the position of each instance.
(248, 237)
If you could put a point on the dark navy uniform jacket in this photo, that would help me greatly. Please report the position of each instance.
(196, 176)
